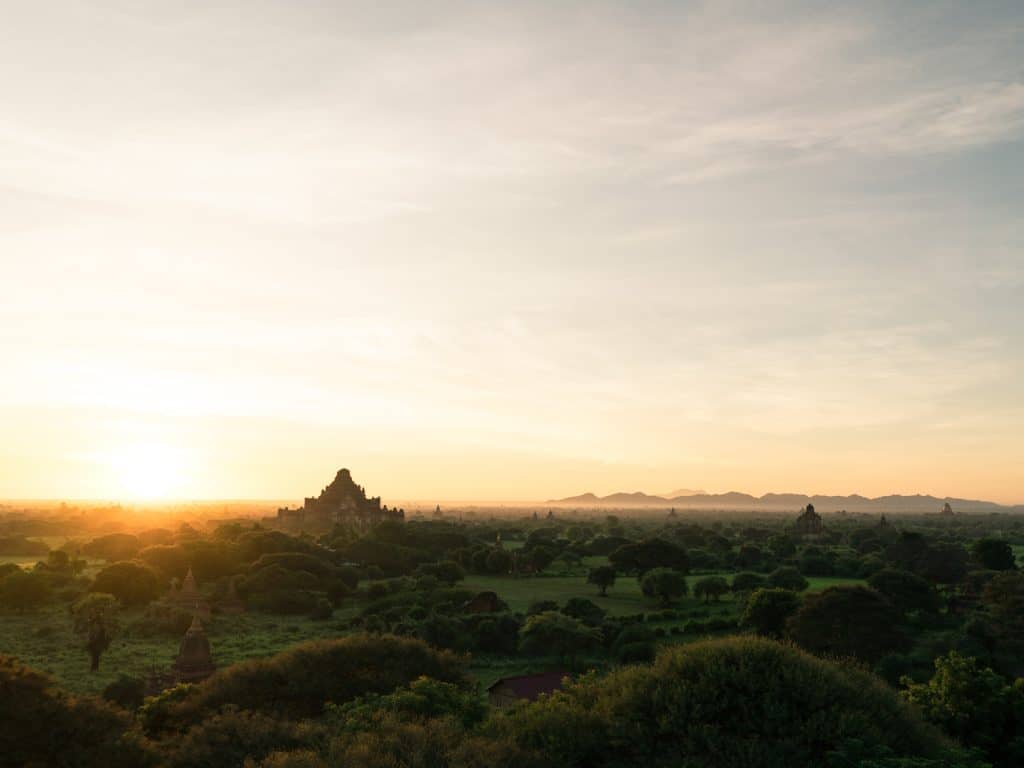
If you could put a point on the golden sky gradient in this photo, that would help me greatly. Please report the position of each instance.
(511, 251)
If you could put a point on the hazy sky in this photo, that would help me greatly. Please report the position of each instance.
(517, 250)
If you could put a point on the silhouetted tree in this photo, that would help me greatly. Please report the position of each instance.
(767, 611)
(95, 619)
(21, 591)
(664, 583)
(603, 576)
(848, 621)
(788, 577)
(711, 587)
(130, 583)
(993, 554)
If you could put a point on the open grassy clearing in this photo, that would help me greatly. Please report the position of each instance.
(44, 640)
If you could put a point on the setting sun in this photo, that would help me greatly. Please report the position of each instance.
(147, 471)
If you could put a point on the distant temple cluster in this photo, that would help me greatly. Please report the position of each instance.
(809, 523)
(340, 502)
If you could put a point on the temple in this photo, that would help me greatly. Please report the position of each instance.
(809, 523)
(188, 598)
(193, 664)
(194, 661)
(340, 502)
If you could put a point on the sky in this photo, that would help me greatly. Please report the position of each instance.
(511, 251)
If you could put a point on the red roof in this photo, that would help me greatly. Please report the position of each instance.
(531, 686)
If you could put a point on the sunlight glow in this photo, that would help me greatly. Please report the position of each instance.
(147, 471)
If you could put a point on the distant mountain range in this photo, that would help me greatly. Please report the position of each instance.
(785, 502)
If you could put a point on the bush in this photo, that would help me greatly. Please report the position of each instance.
(585, 610)
(126, 692)
(635, 653)
(322, 611)
(788, 578)
(541, 606)
(285, 601)
(745, 701)
(232, 737)
(42, 726)
(296, 683)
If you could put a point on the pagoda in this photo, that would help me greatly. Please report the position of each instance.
(194, 662)
(188, 598)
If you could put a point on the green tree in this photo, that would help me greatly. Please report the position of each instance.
(603, 576)
(498, 561)
(664, 583)
(447, 571)
(22, 591)
(711, 587)
(993, 554)
(95, 619)
(588, 612)
(974, 705)
(540, 557)
(552, 633)
(906, 590)
(747, 582)
(1003, 595)
(767, 611)
(131, 583)
(642, 556)
(788, 577)
(113, 547)
(848, 621)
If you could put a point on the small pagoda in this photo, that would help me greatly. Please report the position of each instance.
(188, 598)
(194, 662)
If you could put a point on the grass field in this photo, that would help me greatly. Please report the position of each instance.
(44, 640)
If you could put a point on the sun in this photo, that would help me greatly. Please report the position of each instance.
(147, 471)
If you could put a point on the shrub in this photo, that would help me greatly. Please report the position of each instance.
(322, 610)
(41, 725)
(634, 653)
(284, 601)
(126, 692)
(788, 578)
(744, 701)
(585, 610)
(296, 683)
